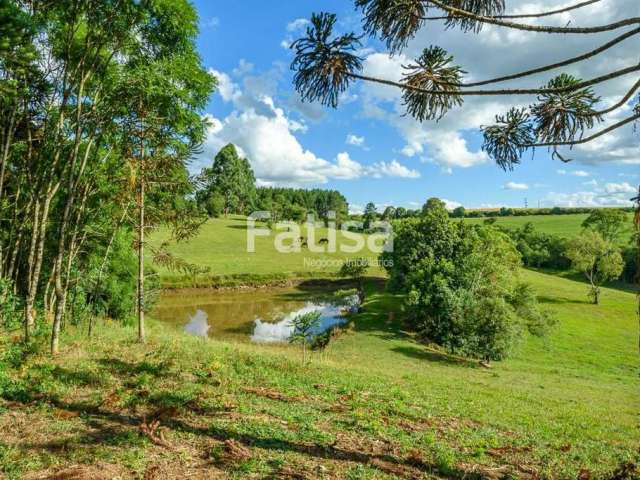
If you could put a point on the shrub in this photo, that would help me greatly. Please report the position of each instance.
(462, 286)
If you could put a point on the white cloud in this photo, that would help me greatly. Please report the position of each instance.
(515, 186)
(355, 140)
(297, 25)
(591, 183)
(267, 137)
(392, 169)
(619, 188)
(451, 204)
(611, 195)
(580, 173)
(441, 142)
(575, 173)
(586, 199)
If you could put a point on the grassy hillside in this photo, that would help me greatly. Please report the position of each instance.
(221, 246)
(562, 225)
(379, 405)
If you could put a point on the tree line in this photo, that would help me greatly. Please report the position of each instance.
(100, 110)
(229, 187)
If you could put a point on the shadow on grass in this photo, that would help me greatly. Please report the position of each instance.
(423, 353)
(122, 368)
(112, 428)
(561, 300)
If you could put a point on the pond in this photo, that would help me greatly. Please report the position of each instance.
(260, 316)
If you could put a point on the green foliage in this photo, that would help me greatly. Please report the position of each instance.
(354, 268)
(432, 71)
(539, 249)
(303, 329)
(370, 215)
(323, 64)
(229, 183)
(294, 204)
(462, 285)
(597, 259)
(459, 212)
(215, 205)
(10, 307)
(607, 222)
(433, 204)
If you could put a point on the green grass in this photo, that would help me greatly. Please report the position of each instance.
(379, 405)
(562, 225)
(221, 247)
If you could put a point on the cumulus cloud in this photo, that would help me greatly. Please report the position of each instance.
(297, 25)
(619, 188)
(392, 169)
(264, 133)
(516, 186)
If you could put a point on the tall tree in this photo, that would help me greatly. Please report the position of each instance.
(231, 178)
(370, 215)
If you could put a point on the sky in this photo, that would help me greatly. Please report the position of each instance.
(368, 150)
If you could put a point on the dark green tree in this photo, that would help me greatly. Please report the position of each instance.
(459, 212)
(230, 177)
(370, 215)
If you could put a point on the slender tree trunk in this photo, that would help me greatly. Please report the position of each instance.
(8, 138)
(141, 222)
(31, 294)
(36, 257)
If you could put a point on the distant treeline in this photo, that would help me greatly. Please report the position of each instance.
(394, 213)
(229, 187)
(461, 212)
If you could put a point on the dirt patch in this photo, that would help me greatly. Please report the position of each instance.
(100, 471)
(272, 394)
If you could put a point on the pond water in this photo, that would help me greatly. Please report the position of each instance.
(261, 316)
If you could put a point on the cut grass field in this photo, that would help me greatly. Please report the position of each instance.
(221, 247)
(379, 405)
(567, 226)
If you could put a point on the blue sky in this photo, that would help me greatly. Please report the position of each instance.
(365, 148)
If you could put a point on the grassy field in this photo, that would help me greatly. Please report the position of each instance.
(221, 247)
(379, 405)
(562, 225)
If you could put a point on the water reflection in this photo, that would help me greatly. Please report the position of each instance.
(198, 325)
(263, 316)
(330, 315)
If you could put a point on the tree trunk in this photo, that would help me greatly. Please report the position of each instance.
(8, 138)
(141, 220)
